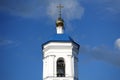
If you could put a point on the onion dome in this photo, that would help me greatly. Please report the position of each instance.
(59, 22)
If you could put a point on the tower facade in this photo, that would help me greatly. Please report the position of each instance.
(60, 56)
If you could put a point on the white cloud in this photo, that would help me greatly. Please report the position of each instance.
(5, 42)
(8, 43)
(72, 9)
(117, 43)
(102, 53)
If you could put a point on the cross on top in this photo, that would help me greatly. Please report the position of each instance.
(60, 7)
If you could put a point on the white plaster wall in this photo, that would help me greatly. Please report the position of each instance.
(48, 66)
(69, 68)
(60, 30)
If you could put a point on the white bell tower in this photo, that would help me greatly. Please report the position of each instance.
(60, 55)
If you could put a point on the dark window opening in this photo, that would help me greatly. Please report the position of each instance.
(60, 67)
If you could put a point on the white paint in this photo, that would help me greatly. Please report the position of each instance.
(59, 30)
(54, 50)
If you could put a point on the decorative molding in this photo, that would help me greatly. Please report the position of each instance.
(56, 47)
(49, 56)
(61, 78)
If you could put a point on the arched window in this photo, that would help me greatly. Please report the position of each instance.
(60, 67)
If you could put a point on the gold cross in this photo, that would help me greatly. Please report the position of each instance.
(60, 7)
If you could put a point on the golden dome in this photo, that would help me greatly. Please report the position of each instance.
(59, 22)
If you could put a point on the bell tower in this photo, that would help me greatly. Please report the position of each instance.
(60, 55)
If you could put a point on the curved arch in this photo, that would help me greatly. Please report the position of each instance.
(60, 67)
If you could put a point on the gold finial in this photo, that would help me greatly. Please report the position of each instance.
(60, 7)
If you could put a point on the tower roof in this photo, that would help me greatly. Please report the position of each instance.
(61, 38)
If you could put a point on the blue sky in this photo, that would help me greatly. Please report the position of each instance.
(26, 24)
